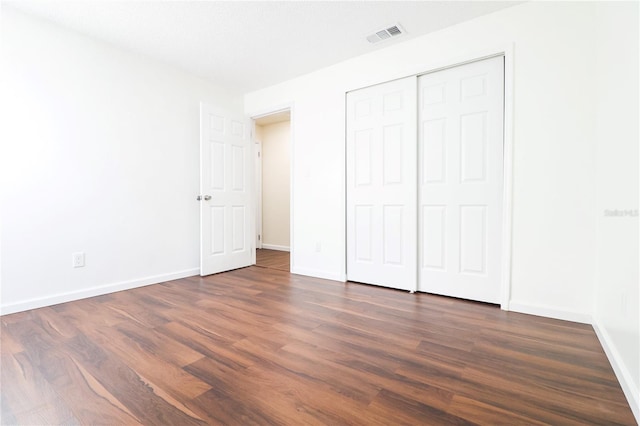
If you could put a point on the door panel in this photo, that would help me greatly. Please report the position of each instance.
(226, 210)
(381, 185)
(434, 243)
(460, 145)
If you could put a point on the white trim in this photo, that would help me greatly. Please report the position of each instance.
(257, 146)
(94, 291)
(253, 206)
(631, 392)
(292, 157)
(270, 111)
(550, 312)
(275, 247)
(319, 274)
(507, 180)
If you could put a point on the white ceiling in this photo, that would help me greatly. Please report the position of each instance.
(247, 45)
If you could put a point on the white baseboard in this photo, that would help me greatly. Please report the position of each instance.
(275, 247)
(631, 392)
(93, 291)
(550, 312)
(319, 274)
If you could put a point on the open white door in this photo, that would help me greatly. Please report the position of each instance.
(227, 216)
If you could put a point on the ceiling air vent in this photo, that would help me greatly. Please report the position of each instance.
(385, 33)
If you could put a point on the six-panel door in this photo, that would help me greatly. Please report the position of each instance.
(226, 213)
(460, 152)
(381, 184)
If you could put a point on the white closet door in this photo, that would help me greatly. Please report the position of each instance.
(460, 182)
(381, 185)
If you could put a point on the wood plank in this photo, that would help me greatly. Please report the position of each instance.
(273, 259)
(141, 397)
(471, 409)
(142, 359)
(411, 411)
(83, 393)
(262, 346)
(27, 396)
(9, 344)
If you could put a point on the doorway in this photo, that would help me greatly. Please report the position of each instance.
(273, 182)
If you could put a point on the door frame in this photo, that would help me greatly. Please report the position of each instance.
(263, 113)
(257, 146)
(507, 51)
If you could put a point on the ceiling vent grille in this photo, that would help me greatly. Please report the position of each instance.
(385, 34)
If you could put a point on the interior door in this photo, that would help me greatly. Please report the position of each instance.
(460, 145)
(381, 185)
(227, 216)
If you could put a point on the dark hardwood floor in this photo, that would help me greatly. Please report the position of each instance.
(262, 346)
(273, 259)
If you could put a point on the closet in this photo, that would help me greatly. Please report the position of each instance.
(425, 182)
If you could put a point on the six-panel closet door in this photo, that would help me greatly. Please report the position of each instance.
(424, 182)
(460, 145)
(381, 184)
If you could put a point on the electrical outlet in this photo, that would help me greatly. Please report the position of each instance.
(318, 247)
(78, 259)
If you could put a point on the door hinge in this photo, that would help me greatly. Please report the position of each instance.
(258, 237)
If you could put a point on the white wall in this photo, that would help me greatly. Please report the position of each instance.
(275, 184)
(617, 299)
(99, 154)
(553, 47)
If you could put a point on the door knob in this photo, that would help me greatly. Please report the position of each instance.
(206, 197)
